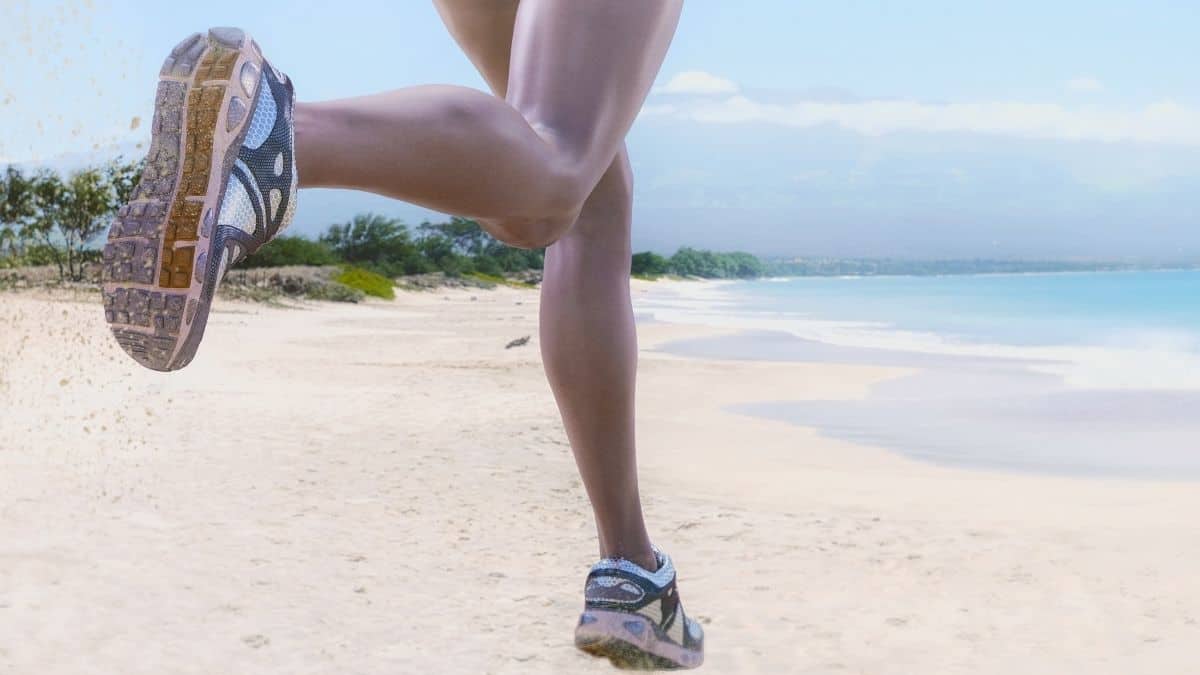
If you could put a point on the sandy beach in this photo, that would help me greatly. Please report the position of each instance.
(385, 488)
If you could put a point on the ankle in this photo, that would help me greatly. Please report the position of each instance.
(641, 555)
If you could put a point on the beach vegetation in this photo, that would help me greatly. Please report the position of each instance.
(335, 292)
(290, 250)
(375, 285)
(692, 262)
(52, 218)
(648, 264)
(58, 219)
(459, 247)
(375, 242)
(499, 280)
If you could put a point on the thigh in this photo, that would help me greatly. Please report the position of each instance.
(580, 70)
(484, 31)
(577, 70)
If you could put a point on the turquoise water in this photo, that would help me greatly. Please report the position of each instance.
(1080, 374)
(1106, 309)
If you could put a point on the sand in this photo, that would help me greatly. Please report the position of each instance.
(384, 488)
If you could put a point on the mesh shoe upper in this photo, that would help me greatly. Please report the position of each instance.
(620, 585)
(260, 195)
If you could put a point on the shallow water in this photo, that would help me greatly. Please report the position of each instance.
(1006, 379)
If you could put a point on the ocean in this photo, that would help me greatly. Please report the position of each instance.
(1080, 374)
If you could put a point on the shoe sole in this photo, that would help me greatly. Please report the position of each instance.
(160, 267)
(631, 643)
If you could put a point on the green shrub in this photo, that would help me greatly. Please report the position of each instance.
(39, 254)
(291, 250)
(371, 239)
(493, 280)
(368, 282)
(487, 280)
(711, 265)
(515, 259)
(334, 292)
(488, 266)
(648, 264)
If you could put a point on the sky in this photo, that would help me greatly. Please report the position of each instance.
(915, 129)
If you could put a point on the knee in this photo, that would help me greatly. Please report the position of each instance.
(530, 232)
(602, 209)
(552, 209)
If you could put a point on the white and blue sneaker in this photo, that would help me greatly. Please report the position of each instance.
(219, 182)
(633, 617)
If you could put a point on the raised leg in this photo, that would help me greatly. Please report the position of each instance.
(522, 165)
(589, 345)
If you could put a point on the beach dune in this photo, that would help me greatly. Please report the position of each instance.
(385, 488)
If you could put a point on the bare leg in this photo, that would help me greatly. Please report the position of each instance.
(589, 344)
(589, 349)
(579, 72)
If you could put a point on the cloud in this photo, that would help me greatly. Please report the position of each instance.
(1164, 122)
(697, 82)
(1085, 84)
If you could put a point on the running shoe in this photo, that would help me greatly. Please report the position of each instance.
(633, 617)
(219, 182)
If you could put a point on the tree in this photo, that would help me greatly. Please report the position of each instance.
(442, 253)
(710, 265)
(466, 235)
(8, 241)
(48, 195)
(510, 259)
(367, 237)
(696, 263)
(16, 208)
(124, 177)
(649, 263)
(290, 250)
(381, 244)
(486, 253)
(745, 265)
(70, 214)
(61, 217)
(90, 201)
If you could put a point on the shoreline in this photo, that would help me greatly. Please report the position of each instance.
(1071, 410)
